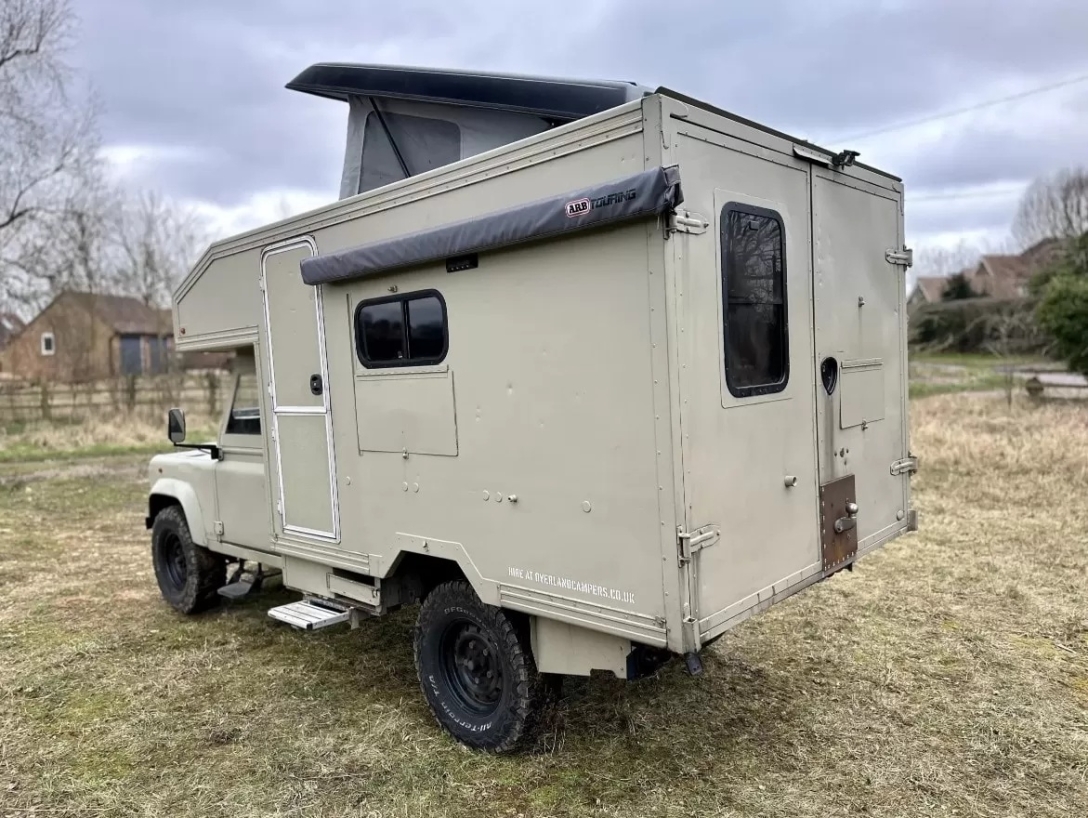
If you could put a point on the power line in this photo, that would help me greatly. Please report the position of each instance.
(1042, 89)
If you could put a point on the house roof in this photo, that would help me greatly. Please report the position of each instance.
(124, 314)
(1042, 253)
(1006, 274)
(932, 287)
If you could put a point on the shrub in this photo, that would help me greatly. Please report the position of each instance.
(1063, 313)
(977, 325)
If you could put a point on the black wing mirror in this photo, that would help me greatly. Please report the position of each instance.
(175, 426)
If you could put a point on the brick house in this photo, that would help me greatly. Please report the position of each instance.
(995, 276)
(1007, 276)
(84, 336)
(927, 290)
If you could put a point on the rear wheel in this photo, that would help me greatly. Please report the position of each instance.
(477, 671)
(189, 575)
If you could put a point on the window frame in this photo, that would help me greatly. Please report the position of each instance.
(234, 433)
(762, 212)
(52, 338)
(403, 298)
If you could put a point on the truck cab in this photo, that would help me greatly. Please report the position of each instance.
(221, 485)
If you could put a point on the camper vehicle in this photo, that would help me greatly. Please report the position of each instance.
(591, 372)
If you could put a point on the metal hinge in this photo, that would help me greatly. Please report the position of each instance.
(219, 530)
(690, 542)
(812, 155)
(908, 465)
(683, 221)
(904, 256)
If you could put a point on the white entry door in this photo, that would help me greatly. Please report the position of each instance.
(304, 468)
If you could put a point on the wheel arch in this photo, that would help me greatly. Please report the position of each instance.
(169, 491)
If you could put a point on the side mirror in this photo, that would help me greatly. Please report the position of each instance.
(175, 426)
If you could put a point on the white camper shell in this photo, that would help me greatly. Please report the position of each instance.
(634, 376)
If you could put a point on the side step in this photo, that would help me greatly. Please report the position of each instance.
(309, 615)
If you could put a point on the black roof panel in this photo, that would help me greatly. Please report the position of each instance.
(561, 100)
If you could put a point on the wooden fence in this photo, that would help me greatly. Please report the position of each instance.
(200, 392)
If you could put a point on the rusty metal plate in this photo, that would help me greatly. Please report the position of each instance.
(838, 548)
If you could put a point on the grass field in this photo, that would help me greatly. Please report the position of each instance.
(947, 675)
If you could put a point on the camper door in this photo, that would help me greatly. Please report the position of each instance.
(301, 444)
(859, 304)
(744, 335)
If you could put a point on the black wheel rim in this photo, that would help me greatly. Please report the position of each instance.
(173, 560)
(471, 667)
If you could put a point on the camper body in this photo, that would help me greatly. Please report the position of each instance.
(621, 440)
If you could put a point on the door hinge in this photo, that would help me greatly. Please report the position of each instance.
(219, 530)
(905, 257)
(683, 221)
(690, 542)
(810, 154)
(908, 465)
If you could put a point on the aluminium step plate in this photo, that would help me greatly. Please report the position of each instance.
(308, 616)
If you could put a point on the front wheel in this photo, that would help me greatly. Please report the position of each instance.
(189, 575)
(476, 670)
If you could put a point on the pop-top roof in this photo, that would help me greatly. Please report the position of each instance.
(560, 100)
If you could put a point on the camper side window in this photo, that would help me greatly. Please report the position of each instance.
(754, 300)
(404, 330)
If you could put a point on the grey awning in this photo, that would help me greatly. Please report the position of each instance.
(640, 196)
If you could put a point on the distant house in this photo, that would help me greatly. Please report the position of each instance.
(1007, 276)
(927, 289)
(85, 336)
(995, 275)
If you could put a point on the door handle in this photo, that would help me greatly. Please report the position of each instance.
(316, 386)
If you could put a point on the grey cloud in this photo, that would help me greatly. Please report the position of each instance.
(207, 77)
(928, 218)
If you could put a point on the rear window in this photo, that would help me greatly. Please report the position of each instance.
(404, 330)
(754, 300)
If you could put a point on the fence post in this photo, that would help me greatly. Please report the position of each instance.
(45, 406)
(130, 391)
(212, 379)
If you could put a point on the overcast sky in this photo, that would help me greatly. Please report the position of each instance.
(194, 103)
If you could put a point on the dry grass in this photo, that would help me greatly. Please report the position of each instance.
(101, 433)
(947, 675)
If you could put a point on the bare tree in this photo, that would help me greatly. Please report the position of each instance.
(1054, 206)
(946, 261)
(48, 148)
(157, 241)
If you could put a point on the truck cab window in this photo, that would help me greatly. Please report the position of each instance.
(245, 409)
(405, 330)
(754, 300)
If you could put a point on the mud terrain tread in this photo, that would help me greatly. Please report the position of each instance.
(207, 572)
(523, 715)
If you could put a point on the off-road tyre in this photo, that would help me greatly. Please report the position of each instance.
(189, 575)
(500, 713)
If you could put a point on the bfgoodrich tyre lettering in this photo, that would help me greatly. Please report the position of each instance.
(477, 671)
